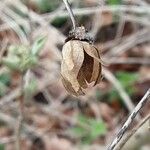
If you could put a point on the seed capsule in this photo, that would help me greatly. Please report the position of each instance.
(81, 66)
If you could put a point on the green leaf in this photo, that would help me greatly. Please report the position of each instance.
(31, 88)
(2, 147)
(89, 129)
(4, 81)
(5, 78)
(47, 5)
(97, 128)
(38, 45)
(11, 62)
(12, 49)
(126, 78)
(59, 22)
(3, 89)
(80, 131)
(114, 2)
(83, 119)
(18, 50)
(28, 62)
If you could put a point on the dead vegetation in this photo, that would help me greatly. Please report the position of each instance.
(53, 119)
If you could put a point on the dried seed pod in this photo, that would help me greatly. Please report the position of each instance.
(81, 66)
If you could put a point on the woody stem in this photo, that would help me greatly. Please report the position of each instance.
(70, 13)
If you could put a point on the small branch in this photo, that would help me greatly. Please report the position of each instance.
(25, 77)
(128, 60)
(27, 130)
(129, 120)
(21, 114)
(30, 39)
(125, 97)
(106, 8)
(25, 81)
(9, 97)
(70, 13)
(7, 140)
(18, 132)
(131, 133)
(133, 40)
(5, 16)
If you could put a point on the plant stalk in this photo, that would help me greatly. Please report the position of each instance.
(70, 13)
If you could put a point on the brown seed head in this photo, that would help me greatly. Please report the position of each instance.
(81, 66)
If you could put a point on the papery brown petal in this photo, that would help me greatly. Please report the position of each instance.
(91, 51)
(73, 55)
(77, 55)
(70, 78)
(101, 61)
(85, 72)
(99, 77)
(95, 71)
(70, 89)
(67, 55)
(96, 65)
(81, 79)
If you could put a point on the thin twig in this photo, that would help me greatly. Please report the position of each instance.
(7, 140)
(5, 15)
(131, 133)
(24, 83)
(83, 11)
(129, 120)
(20, 118)
(97, 24)
(28, 130)
(9, 97)
(30, 39)
(136, 38)
(128, 60)
(125, 97)
(106, 8)
(120, 26)
(70, 13)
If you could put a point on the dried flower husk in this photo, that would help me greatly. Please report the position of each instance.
(81, 66)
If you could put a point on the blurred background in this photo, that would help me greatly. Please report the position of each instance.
(53, 119)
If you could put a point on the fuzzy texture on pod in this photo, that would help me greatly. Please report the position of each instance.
(81, 66)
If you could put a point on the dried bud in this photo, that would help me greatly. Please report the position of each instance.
(81, 66)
